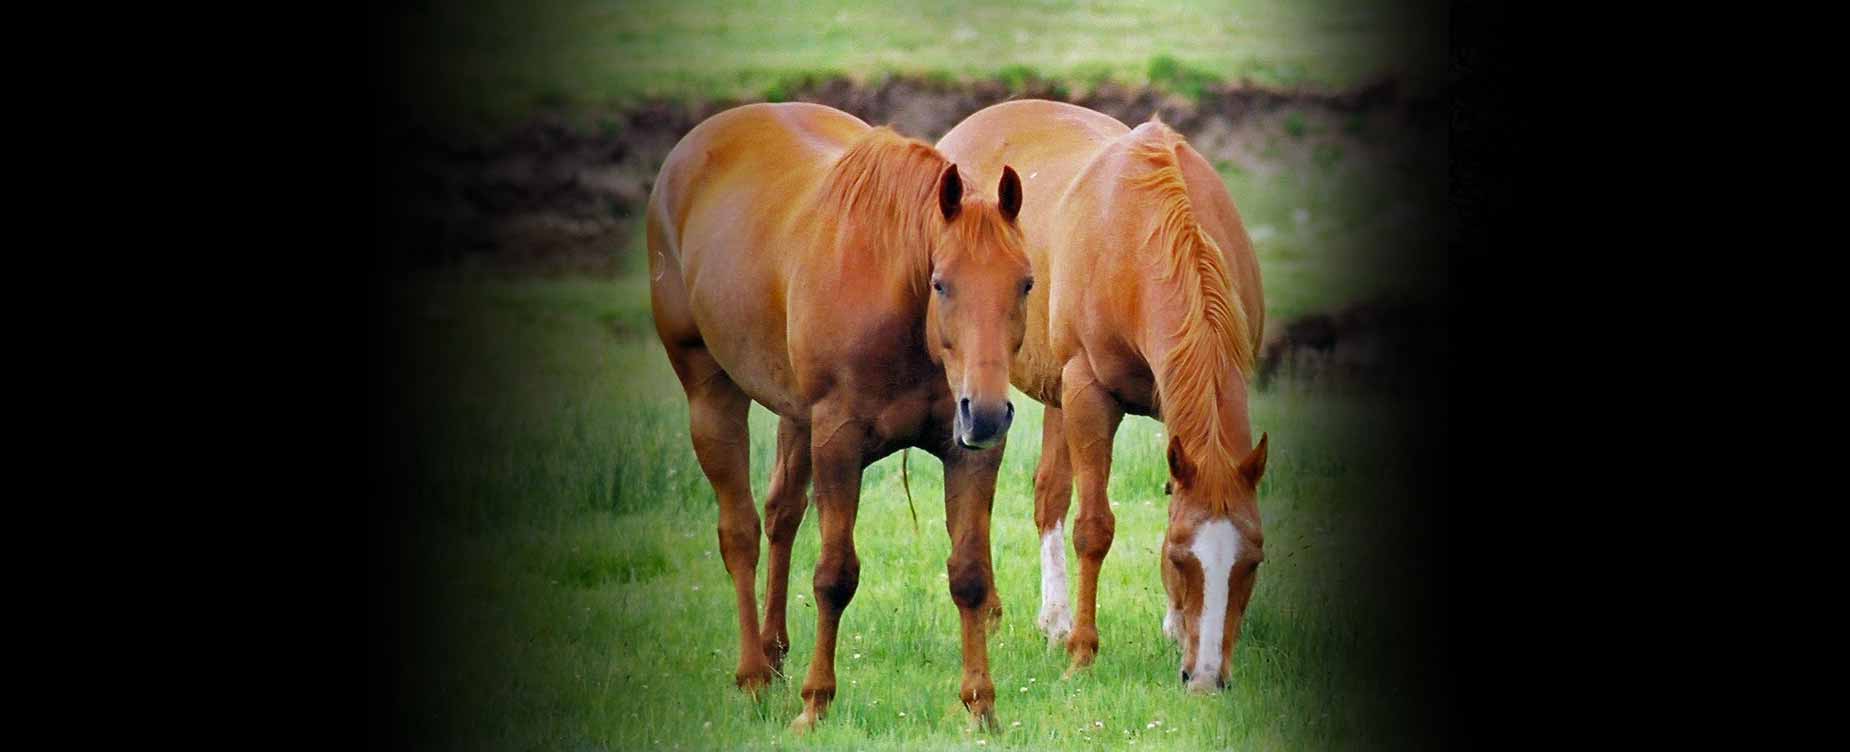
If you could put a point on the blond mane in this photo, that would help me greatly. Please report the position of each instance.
(1213, 335)
(888, 184)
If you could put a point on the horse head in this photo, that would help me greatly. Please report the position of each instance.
(977, 314)
(1211, 557)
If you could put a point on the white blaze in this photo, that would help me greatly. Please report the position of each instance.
(1217, 547)
(1056, 618)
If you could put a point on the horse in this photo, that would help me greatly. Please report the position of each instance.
(1152, 306)
(841, 276)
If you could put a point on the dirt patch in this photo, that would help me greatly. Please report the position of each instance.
(1378, 343)
(564, 194)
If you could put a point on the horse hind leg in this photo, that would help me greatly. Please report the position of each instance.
(784, 507)
(1053, 495)
(717, 411)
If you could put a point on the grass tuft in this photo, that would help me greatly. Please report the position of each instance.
(1172, 75)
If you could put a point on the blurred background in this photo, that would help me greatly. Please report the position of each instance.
(541, 565)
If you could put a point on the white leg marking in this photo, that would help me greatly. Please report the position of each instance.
(1217, 547)
(1056, 618)
(1172, 626)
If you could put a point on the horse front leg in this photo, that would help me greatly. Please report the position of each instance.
(1053, 496)
(1092, 418)
(969, 495)
(837, 450)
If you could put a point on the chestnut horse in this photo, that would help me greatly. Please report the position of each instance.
(1151, 307)
(840, 276)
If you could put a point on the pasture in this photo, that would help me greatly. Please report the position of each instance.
(569, 537)
(565, 587)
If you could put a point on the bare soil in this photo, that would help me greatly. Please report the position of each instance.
(561, 192)
(1377, 343)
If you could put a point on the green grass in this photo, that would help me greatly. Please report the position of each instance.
(568, 538)
(1330, 231)
(495, 59)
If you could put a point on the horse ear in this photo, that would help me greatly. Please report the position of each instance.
(950, 193)
(1254, 465)
(1010, 193)
(1179, 467)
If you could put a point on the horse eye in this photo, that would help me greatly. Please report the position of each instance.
(1026, 286)
(937, 285)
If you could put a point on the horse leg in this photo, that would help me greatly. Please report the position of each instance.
(969, 493)
(717, 417)
(1092, 417)
(783, 514)
(1053, 494)
(838, 448)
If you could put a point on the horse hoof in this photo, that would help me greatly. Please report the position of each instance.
(775, 646)
(983, 721)
(992, 619)
(1056, 622)
(754, 679)
(804, 723)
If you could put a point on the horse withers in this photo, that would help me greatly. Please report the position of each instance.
(841, 276)
(1150, 305)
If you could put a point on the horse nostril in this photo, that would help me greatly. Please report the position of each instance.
(1185, 676)
(1011, 407)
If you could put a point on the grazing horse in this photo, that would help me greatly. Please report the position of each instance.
(842, 277)
(1151, 306)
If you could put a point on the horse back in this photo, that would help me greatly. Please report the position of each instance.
(746, 169)
(723, 219)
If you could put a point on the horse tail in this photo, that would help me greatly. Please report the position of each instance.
(906, 480)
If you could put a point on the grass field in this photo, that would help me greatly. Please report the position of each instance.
(496, 59)
(1334, 232)
(569, 538)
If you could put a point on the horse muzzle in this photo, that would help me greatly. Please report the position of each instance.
(982, 426)
(1203, 687)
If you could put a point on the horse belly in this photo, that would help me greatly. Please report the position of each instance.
(761, 370)
(748, 342)
(738, 310)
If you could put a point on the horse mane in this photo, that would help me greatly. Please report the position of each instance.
(1213, 335)
(889, 183)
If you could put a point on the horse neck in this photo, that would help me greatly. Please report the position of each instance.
(899, 259)
(1205, 408)
(1199, 379)
(882, 229)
